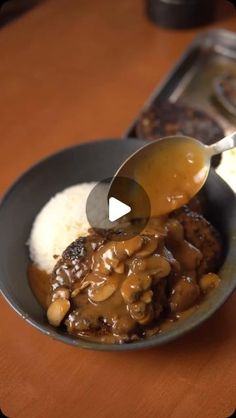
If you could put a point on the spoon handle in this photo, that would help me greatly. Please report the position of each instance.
(224, 144)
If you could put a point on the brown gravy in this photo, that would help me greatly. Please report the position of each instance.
(40, 285)
(172, 175)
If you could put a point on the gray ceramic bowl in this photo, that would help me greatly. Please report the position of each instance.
(92, 162)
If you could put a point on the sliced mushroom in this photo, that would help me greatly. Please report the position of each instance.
(150, 245)
(147, 296)
(184, 294)
(155, 265)
(102, 292)
(208, 282)
(138, 310)
(136, 265)
(100, 265)
(120, 268)
(148, 317)
(80, 288)
(109, 256)
(124, 249)
(105, 259)
(134, 286)
(57, 311)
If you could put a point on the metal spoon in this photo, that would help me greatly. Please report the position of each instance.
(171, 170)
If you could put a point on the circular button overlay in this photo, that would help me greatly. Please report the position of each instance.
(118, 211)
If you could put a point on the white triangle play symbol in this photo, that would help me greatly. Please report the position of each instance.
(117, 209)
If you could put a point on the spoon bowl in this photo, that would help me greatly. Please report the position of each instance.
(172, 170)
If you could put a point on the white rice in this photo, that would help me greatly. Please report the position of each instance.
(60, 221)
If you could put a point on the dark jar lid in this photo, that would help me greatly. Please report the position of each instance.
(181, 14)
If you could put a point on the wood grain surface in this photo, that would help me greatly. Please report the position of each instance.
(71, 71)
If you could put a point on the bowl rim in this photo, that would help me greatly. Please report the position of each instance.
(156, 340)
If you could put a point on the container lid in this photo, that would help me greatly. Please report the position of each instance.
(181, 13)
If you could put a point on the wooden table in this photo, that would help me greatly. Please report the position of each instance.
(71, 71)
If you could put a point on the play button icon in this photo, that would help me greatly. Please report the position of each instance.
(120, 213)
(117, 209)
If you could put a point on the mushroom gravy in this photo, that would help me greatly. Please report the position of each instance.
(119, 292)
(181, 169)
